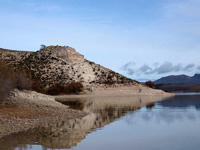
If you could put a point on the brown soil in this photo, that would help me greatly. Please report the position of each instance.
(18, 112)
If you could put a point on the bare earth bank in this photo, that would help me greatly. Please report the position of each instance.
(28, 109)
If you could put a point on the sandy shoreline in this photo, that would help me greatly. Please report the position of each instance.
(28, 109)
(121, 91)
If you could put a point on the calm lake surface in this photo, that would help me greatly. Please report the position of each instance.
(120, 124)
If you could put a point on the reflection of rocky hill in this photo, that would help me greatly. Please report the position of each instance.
(67, 134)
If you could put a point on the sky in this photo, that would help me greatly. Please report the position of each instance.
(141, 39)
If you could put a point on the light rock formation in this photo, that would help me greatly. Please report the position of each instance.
(62, 65)
(66, 53)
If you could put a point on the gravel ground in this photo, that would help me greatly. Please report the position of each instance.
(28, 109)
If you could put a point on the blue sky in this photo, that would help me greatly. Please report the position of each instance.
(142, 39)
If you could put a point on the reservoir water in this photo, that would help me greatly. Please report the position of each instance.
(119, 123)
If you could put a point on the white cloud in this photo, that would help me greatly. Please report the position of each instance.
(46, 7)
(164, 68)
(183, 8)
(49, 8)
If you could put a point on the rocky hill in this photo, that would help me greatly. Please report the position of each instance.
(62, 65)
(179, 79)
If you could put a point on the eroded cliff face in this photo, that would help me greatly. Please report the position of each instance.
(66, 53)
(62, 65)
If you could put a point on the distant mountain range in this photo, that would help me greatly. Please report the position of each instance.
(179, 79)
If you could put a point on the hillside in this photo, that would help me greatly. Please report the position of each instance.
(179, 79)
(62, 65)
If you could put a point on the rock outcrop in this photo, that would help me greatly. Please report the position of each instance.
(66, 53)
(62, 65)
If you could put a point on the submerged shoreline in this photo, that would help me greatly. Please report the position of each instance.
(27, 109)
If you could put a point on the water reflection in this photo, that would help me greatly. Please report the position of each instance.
(182, 101)
(178, 108)
(65, 135)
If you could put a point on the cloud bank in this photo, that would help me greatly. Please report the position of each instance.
(198, 67)
(167, 67)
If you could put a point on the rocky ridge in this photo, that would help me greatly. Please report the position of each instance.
(179, 79)
(62, 65)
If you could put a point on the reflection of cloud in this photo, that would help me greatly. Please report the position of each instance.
(167, 67)
(178, 108)
(146, 116)
(163, 115)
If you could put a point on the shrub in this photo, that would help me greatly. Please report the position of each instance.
(7, 79)
(72, 88)
(150, 84)
(55, 90)
(23, 79)
(42, 46)
(20, 79)
(36, 86)
(109, 82)
(10, 79)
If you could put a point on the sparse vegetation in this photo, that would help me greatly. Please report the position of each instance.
(7, 80)
(48, 69)
(109, 82)
(18, 78)
(55, 89)
(72, 88)
(38, 87)
(23, 79)
(150, 84)
(42, 46)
